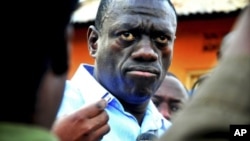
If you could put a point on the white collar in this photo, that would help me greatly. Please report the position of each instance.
(91, 90)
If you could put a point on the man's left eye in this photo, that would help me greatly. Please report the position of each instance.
(127, 36)
(162, 39)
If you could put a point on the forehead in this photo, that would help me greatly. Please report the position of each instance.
(129, 10)
(172, 87)
(154, 7)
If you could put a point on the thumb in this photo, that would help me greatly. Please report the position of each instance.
(94, 108)
(101, 104)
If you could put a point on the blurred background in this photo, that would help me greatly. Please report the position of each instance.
(201, 26)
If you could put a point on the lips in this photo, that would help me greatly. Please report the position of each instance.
(142, 71)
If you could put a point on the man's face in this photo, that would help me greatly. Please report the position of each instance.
(135, 48)
(170, 97)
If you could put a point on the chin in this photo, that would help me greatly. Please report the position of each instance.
(139, 99)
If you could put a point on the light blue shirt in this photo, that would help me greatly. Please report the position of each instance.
(83, 89)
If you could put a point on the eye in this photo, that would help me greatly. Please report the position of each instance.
(174, 108)
(127, 36)
(156, 101)
(161, 39)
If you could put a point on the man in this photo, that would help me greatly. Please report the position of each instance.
(224, 98)
(171, 96)
(35, 68)
(132, 43)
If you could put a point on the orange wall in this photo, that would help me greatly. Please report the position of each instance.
(79, 50)
(188, 49)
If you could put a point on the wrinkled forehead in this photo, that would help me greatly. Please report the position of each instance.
(146, 4)
(146, 7)
(149, 14)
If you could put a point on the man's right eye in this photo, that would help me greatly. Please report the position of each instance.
(174, 107)
(127, 36)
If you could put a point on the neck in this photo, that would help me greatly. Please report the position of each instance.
(137, 110)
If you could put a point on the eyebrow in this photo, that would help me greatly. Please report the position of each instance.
(175, 100)
(124, 25)
(138, 27)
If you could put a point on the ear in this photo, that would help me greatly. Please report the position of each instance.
(92, 36)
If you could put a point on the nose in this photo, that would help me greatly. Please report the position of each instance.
(145, 51)
(166, 114)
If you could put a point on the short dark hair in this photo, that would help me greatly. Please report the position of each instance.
(104, 6)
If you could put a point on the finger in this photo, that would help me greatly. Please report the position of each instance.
(85, 126)
(97, 134)
(95, 128)
(99, 120)
(93, 109)
(75, 128)
(94, 123)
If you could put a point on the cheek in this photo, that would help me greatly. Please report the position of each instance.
(167, 57)
(117, 47)
(167, 53)
(110, 53)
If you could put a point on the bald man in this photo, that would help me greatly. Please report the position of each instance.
(170, 96)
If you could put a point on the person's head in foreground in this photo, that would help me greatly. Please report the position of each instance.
(224, 98)
(37, 68)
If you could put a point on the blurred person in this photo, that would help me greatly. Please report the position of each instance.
(224, 44)
(35, 69)
(132, 43)
(171, 96)
(224, 98)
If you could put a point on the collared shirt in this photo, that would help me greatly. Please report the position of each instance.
(24, 132)
(83, 89)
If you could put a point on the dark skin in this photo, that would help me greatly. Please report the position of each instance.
(170, 97)
(132, 50)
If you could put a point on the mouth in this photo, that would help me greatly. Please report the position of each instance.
(141, 71)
